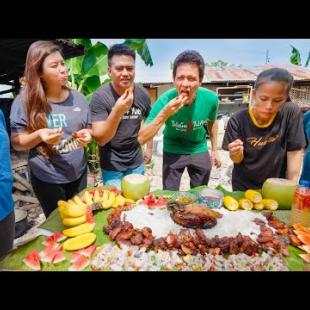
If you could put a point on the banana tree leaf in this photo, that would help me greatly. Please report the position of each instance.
(237, 194)
(88, 62)
(295, 56)
(91, 84)
(171, 193)
(308, 60)
(160, 192)
(142, 49)
(95, 60)
(134, 43)
(75, 64)
(86, 42)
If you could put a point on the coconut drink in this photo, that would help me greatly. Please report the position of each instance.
(135, 186)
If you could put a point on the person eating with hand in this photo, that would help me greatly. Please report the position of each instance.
(185, 110)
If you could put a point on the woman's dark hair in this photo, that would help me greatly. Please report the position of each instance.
(276, 75)
(33, 91)
(120, 49)
(191, 57)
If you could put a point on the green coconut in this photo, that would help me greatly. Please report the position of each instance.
(281, 190)
(135, 186)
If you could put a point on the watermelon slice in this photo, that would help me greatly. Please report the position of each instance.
(47, 254)
(58, 257)
(161, 202)
(305, 257)
(89, 215)
(56, 237)
(74, 257)
(32, 260)
(88, 251)
(80, 264)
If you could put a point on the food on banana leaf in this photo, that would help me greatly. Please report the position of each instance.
(70, 209)
(258, 206)
(245, 204)
(79, 230)
(193, 215)
(79, 242)
(230, 203)
(253, 196)
(74, 221)
(270, 204)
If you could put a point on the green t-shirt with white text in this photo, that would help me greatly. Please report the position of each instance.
(185, 132)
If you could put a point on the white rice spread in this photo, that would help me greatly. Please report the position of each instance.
(229, 225)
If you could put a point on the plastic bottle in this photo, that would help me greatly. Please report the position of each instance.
(300, 213)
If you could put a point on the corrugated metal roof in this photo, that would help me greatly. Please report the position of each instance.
(214, 74)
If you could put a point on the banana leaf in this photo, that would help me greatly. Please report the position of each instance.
(293, 261)
(14, 260)
(237, 194)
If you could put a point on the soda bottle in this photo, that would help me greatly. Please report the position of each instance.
(300, 213)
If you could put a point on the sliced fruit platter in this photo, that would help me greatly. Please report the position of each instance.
(71, 247)
(53, 254)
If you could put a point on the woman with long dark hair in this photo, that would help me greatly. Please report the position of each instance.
(266, 140)
(52, 122)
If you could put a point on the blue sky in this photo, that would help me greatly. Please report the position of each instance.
(235, 51)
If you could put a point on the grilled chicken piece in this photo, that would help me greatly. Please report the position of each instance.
(190, 220)
(200, 209)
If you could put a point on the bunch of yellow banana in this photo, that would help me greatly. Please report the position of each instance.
(252, 200)
(104, 199)
(75, 213)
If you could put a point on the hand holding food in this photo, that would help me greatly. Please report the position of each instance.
(174, 105)
(83, 136)
(235, 149)
(124, 102)
(50, 136)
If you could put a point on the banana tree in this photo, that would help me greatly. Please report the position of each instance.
(295, 57)
(89, 71)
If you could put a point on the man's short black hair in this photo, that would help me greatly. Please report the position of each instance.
(120, 49)
(192, 57)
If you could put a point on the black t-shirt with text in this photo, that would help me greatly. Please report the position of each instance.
(265, 149)
(123, 152)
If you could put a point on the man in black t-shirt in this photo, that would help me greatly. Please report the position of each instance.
(268, 136)
(117, 111)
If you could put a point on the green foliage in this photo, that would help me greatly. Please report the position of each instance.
(308, 60)
(142, 49)
(295, 58)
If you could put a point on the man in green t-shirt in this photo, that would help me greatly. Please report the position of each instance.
(185, 110)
